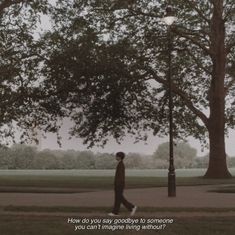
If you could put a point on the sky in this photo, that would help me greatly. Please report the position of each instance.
(148, 147)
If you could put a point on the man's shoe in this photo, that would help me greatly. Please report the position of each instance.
(133, 210)
(112, 214)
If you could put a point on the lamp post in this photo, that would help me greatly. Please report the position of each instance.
(169, 19)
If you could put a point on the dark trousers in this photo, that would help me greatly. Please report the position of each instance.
(119, 198)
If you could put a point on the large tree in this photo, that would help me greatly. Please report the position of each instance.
(107, 64)
(19, 61)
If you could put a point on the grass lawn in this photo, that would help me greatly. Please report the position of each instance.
(36, 225)
(67, 209)
(72, 184)
(69, 182)
(224, 189)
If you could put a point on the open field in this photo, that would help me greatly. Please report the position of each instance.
(109, 172)
(61, 184)
(129, 172)
(60, 181)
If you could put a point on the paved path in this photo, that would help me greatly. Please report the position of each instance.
(187, 196)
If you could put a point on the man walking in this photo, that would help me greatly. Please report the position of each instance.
(119, 184)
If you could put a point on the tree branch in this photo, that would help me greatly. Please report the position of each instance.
(199, 33)
(139, 12)
(229, 85)
(230, 11)
(230, 46)
(197, 62)
(200, 13)
(182, 94)
(192, 39)
(7, 3)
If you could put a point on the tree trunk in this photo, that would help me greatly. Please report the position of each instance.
(216, 123)
(217, 158)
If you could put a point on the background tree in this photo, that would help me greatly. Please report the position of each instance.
(86, 160)
(28, 157)
(107, 62)
(134, 160)
(19, 60)
(5, 161)
(47, 159)
(184, 155)
(201, 162)
(23, 156)
(68, 160)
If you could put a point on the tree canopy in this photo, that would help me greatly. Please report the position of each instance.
(107, 62)
(19, 60)
(115, 55)
(104, 65)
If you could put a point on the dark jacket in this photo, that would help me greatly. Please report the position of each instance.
(119, 180)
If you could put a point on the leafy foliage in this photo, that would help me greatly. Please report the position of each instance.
(19, 59)
(184, 155)
(28, 157)
(107, 60)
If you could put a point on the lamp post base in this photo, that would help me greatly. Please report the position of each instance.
(171, 184)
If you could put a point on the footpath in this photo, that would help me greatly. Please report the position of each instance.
(187, 198)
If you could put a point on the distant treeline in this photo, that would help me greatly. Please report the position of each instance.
(27, 157)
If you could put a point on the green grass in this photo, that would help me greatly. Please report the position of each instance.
(224, 189)
(108, 172)
(204, 226)
(74, 181)
(192, 172)
(103, 210)
(35, 225)
(12, 183)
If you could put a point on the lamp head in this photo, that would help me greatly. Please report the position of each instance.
(169, 17)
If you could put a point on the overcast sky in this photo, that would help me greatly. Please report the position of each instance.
(127, 145)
